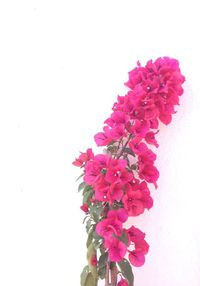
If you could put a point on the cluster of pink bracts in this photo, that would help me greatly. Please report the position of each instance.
(119, 178)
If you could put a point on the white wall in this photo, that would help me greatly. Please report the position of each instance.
(62, 63)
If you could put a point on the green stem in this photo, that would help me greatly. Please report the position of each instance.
(125, 145)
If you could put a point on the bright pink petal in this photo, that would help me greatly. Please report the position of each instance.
(136, 258)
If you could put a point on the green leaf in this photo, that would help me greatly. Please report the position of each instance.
(88, 225)
(90, 281)
(102, 249)
(96, 236)
(97, 243)
(84, 275)
(90, 237)
(126, 271)
(123, 237)
(129, 151)
(81, 186)
(103, 260)
(90, 253)
(87, 188)
(87, 196)
(102, 272)
(85, 218)
(96, 211)
(102, 265)
(80, 177)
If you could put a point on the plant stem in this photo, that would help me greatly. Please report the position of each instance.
(125, 145)
(107, 274)
(114, 272)
(119, 143)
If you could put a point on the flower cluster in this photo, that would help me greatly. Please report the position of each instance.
(115, 183)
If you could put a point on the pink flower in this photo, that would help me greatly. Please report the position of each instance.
(140, 128)
(149, 173)
(83, 158)
(121, 214)
(146, 198)
(123, 282)
(137, 198)
(93, 168)
(116, 249)
(136, 258)
(109, 226)
(115, 192)
(132, 201)
(84, 208)
(109, 134)
(165, 118)
(161, 82)
(101, 188)
(150, 138)
(142, 245)
(101, 139)
(137, 147)
(117, 117)
(135, 234)
(148, 156)
(118, 175)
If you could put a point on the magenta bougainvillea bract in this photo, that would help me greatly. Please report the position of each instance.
(116, 182)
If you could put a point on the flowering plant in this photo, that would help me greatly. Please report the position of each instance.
(116, 182)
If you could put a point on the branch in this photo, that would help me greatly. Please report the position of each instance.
(125, 145)
(107, 274)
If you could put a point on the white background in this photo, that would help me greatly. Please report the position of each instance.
(62, 64)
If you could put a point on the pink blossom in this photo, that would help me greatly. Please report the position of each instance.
(109, 135)
(147, 156)
(136, 258)
(146, 197)
(123, 282)
(140, 128)
(93, 168)
(137, 147)
(135, 234)
(137, 198)
(149, 173)
(121, 214)
(118, 176)
(133, 203)
(150, 138)
(142, 245)
(101, 139)
(115, 192)
(165, 118)
(109, 226)
(83, 158)
(116, 249)
(84, 208)
(117, 117)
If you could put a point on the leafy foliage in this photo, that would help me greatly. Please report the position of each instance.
(102, 265)
(84, 275)
(126, 271)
